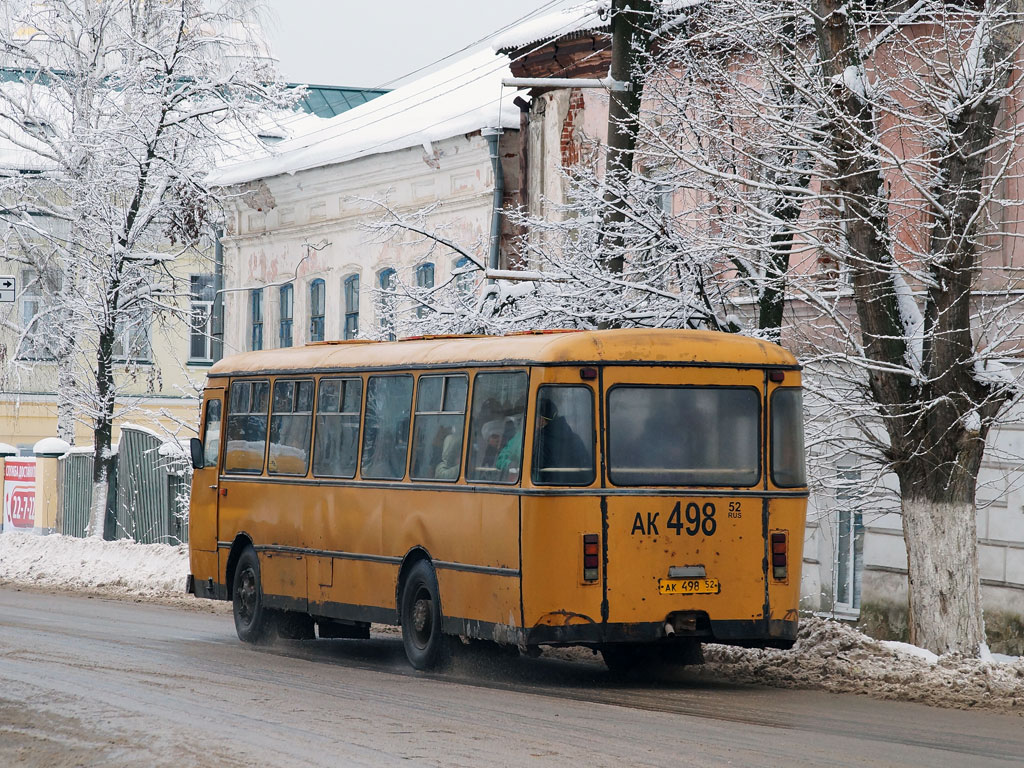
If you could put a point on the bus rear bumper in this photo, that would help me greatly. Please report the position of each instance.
(756, 633)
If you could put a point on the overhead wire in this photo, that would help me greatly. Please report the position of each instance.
(485, 38)
(526, 17)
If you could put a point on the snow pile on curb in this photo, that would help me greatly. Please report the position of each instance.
(836, 657)
(115, 568)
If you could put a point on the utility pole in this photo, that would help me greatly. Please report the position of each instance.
(632, 34)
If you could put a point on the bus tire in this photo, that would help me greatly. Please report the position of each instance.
(426, 645)
(623, 658)
(650, 660)
(253, 621)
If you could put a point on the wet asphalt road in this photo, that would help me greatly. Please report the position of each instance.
(92, 682)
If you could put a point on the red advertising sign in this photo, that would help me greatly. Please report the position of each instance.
(19, 494)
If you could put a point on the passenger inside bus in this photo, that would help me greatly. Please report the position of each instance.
(558, 447)
(451, 452)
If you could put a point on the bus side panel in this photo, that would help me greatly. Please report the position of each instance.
(283, 578)
(270, 516)
(554, 593)
(479, 605)
(347, 520)
(788, 516)
(358, 584)
(462, 529)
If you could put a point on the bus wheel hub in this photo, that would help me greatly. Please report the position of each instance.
(421, 615)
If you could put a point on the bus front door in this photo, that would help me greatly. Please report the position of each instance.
(202, 519)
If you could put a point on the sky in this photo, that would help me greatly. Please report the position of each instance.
(367, 44)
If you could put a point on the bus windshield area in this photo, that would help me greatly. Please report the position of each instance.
(665, 435)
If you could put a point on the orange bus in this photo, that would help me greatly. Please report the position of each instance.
(635, 491)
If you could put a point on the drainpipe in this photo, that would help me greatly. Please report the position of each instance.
(217, 321)
(492, 134)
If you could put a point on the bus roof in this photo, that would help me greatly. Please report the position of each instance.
(633, 345)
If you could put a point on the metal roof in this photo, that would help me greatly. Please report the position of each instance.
(624, 346)
(332, 100)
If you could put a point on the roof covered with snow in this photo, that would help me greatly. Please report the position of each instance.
(590, 15)
(461, 98)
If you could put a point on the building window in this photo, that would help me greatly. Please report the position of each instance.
(256, 322)
(287, 307)
(464, 280)
(131, 339)
(386, 307)
(351, 306)
(201, 334)
(33, 343)
(316, 310)
(424, 281)
(849, 541)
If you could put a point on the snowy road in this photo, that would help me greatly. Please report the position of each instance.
(97, 682)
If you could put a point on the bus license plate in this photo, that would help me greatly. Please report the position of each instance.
(688, 586)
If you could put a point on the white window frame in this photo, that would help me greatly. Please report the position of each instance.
(847, 501)
(202, 331)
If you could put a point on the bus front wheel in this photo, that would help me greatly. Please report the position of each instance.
(253, 621)
(426, 646)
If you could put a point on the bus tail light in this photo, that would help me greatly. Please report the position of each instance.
(591, 554)
(780, 566)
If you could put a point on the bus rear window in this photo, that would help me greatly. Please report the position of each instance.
(788, 438)
(683, 435)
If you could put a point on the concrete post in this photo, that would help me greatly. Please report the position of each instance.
(47, 451)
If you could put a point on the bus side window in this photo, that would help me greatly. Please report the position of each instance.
(336, 445)
(248, 404)
(563, 436)
(291, 424)
(496, 427)
(386, 432)
(211, 433)
(439, 426)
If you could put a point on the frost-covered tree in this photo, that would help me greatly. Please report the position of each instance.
(921, 137)
(119, 109)
(844, 178)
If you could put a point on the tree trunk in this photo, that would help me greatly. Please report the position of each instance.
(941, 536)
(944, 596)
(103, 459)
(66, 399)
(631, 22)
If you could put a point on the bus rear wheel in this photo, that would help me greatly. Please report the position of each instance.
(426, 645)
(649, 660)
(253, 621)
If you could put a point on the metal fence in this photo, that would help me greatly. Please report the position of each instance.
(74, 496)
(147, 499)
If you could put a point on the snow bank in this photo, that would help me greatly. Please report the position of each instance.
(116, 568)
(836, 657)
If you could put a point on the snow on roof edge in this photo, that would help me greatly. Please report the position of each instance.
(464, 97)
(590, 15)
